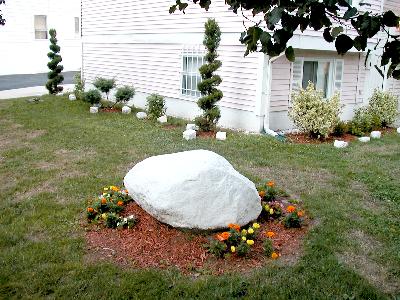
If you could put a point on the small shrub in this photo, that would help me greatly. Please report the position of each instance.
(363, 122)
(267, 192)
(340, 129)
(104, 85)
(112, 220)
(243, 249)
(384, 106)
(313, 114)
(155, 106)
(79, 88)
(124, 94)
(92, 96)
(268, 247)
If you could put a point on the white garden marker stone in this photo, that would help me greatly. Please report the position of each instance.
(194, 189)
(162, 119)
(398, 130)
(271, 132)
(221, 136)
(94, 109)
(189, 134)
(364, 139)
(71, 97)
(126, 110)
(375, 134)
(141, 115)
(191, 127)
(340, 144)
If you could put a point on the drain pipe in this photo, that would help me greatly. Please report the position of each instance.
(263, 92)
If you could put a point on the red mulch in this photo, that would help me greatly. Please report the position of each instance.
(206, 134)
(110, 109)
(304, 138)
(152, 244)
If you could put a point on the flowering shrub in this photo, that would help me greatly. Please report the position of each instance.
(267, 192)
(234, 241)
(384, 106)
(106, 208)
(293, 218)
(313, 114)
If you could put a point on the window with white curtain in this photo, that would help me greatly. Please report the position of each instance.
(192, 60)
(40, 25)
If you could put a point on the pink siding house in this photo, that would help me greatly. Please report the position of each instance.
(160, 53)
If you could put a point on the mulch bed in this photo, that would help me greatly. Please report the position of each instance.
(206, 134)
(152, 244)
(304, 138)
(110, 109)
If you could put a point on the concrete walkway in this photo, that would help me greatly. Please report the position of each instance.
(31, 91)
(11, 82)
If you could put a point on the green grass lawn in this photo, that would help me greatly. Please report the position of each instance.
(54, 155)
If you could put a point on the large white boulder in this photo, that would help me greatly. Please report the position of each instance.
(196, 189)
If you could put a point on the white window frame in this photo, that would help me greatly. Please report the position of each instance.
(197, 52)
(40, 30)
(332, 80)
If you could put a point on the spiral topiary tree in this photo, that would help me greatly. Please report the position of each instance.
(208, 86)
(54, 76)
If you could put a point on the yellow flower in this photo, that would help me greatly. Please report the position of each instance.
(244, 232)
(256, 225)
(104, 216)
(244, 238)
(250, 242)
(106, 189)
(274, 255)
(266, 207)
(271, 211)
(250, 231)
(233, 249)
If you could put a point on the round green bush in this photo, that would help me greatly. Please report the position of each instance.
(104, 85)
(384, 106)
(155, 106)
(124, 94)
(92, 96)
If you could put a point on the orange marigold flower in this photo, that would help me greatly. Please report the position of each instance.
(223, 236)
(300, 214)
(270, 234)
(274, 255)
(261, 194)
(120, 203)
(270, 183)
(90, 209)
(114, 188)
(291, 209)
(103, 200)
(234, 226)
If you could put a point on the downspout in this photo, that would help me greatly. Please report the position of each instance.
(266, 95)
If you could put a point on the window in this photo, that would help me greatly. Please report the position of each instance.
(77, 27)
(192, 60)
(326, 74)
(41, 27)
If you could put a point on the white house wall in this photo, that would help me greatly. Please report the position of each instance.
(21, 53)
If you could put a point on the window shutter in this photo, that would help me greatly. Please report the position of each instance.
(338, 75)
(297, 75)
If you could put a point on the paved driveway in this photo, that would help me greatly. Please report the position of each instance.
(10, 82)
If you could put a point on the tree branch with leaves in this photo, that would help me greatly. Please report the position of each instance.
(281, 18)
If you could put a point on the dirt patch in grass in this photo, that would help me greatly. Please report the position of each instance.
(45, 187)
(152, 244)
(361, 261)
(206, 134)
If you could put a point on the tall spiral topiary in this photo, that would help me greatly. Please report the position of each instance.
(208, 86)
(55, 77)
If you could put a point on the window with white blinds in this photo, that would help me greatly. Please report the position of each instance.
(326, 74)
(40, 25)
(192, 60)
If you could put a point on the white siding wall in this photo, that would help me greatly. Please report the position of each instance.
(21, 53)
(393, 5)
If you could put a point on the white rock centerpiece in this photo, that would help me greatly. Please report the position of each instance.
(364, 139)
(221, 135)
(196, 189)
(126, 110)
(141, 115)
(93, 109)
(71, 97)
(376, 135)
(162, 119)
(340, 144)
(189, 134)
